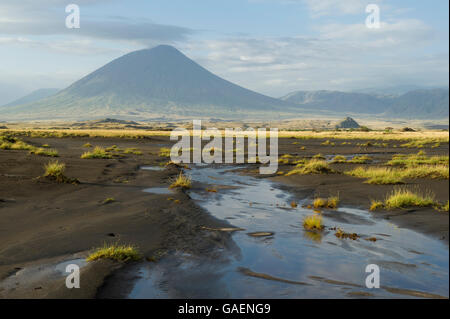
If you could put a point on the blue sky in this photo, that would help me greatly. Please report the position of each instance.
(271, 46)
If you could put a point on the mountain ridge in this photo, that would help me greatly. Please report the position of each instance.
(416, 104)
(164, 83)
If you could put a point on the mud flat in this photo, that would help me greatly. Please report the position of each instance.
(44, 224)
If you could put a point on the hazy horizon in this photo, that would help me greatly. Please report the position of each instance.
(272, 47)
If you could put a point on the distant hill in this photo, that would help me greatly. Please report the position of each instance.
(429, 103)
(347, 123)
(416, 104)
(152, 82)
(34, 96)
(338, 101)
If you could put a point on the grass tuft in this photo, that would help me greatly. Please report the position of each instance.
(403, 198)
(339, 159)
(313, 222)
(182, 181)
(385, 176)
(363, 159)
(54, 169)
(97, 152)
(115, 252)
(108, 200)
(45, 152)
(311, 167)
(164, 152)
(331, 202)
(376, 204)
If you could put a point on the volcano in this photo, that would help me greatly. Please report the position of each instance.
(157, 82)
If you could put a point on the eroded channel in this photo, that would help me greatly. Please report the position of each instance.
(277, 258)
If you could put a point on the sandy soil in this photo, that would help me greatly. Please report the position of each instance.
(44, 222)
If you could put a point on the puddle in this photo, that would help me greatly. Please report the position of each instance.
(158, 190)
(292, 262)
(152, 168)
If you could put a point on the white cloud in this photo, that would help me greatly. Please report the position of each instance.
(341, 57)
(327, 7)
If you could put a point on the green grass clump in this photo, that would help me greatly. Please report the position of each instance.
(15, 144)
(313, 222)
(386, 175)
(331, 202)
(377, 175)
(376, 204)
(44, 152)
(108, 200)
(87, 145)
(311, 167)
(328, 142)
(164, 152)
(115, 252)
(445, 207)
(54, 169)
(339, 159)
(427, 171)
(415, 144)
(363, 159)
(134, 151)
(417, 159)
(403, 198)
(182, 181)
(97, 152)
(319, 157)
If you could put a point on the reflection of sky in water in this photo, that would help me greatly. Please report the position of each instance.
(294, 254)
